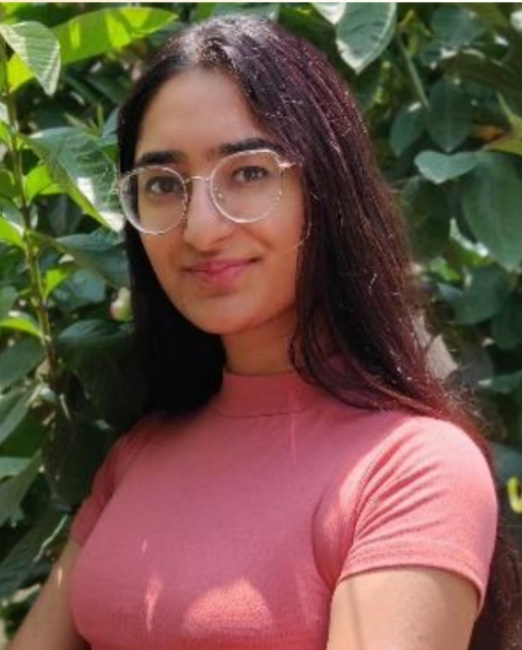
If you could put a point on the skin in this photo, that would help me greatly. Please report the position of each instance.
(256, 311)
(411, 608)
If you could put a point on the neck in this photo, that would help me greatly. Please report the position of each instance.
(261, 351)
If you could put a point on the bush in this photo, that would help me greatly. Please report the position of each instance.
(439, 86)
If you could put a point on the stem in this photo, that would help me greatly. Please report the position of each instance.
(31, 252)
(416, 82)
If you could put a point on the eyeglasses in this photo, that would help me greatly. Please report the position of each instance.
(244, 187)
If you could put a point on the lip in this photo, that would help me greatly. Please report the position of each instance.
(220, 273)
(216, 266)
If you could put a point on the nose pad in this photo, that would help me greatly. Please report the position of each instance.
(203, 224)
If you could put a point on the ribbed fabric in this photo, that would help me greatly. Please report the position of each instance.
(231, 529)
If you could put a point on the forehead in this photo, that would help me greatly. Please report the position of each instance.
(195, 112)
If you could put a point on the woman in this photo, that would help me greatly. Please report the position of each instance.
(322, 490)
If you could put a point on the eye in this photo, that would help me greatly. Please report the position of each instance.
(161, 185)
(250, 174)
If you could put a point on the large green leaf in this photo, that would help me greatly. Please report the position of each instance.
(100, 252)
(365, 31)
(117, 392)
(503, 384)
(484, 293)
(38, 52)
(449, 115)
(10, 232)
(71, 455)
(81, 288)
(18, 360)
(12, 465)
(14, 489)
(22, 322)
(264, 9)
(427, 211)
(490, 13)
(75, 160)
(439, 168)
(16, 567)
(8, 297)
(13, 409)
(332, 11)
(476, 66)
(506, 328)
(456, 26)
(407, 127)
(491, 201)
(97, 32)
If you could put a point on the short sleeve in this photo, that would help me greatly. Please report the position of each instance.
(427, 499)
(107, 478)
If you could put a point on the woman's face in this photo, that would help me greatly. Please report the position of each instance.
(222, 276)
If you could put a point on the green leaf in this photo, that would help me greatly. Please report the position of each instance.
(7, 184)
(365, 31)
(427, 212)
(38, 51)
(491, 197)
(503, 384)
(55, 276)
(116, 392)
(485, 291)
(264, 9)
(100, 252)
(476, 66)
(10, 232)
(13, 409)
(14, 489)
(80, 289)
(331, 11)
(86, 173)
(39, 181)
(407, 127)
(456, 26)
(439, 168)
(506, 328)
(17, 565)
(97, 32)
(7, 299)
(449, 114)
(19, 360)
(21, 322)
(11, 465)
(508, 462)
(71, 456)
(490, 13)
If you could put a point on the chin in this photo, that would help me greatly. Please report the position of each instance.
(221, 326)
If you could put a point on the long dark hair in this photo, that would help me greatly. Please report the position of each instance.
(354, 281)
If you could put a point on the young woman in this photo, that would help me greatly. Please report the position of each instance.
(300, 480)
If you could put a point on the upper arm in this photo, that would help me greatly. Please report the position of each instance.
(49, 625)
(402, 609)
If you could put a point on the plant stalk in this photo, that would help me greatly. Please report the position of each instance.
(31, 253)
(416, 82)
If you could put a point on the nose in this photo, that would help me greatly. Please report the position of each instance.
(204, 226)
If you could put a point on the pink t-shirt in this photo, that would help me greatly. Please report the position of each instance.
(231, 528)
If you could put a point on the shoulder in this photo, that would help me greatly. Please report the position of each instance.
(129, 446)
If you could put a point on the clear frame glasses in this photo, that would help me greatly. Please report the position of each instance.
(244, 187)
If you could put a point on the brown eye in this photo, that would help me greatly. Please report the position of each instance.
(162, 185)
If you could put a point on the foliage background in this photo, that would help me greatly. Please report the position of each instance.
(440, 87)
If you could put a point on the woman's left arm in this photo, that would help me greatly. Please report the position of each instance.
(410, 608)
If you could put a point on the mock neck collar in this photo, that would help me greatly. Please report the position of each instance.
(259, 395)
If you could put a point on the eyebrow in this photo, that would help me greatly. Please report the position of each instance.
(170, 156)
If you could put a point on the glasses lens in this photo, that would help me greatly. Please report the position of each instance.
(153, 198)
(247, 186)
